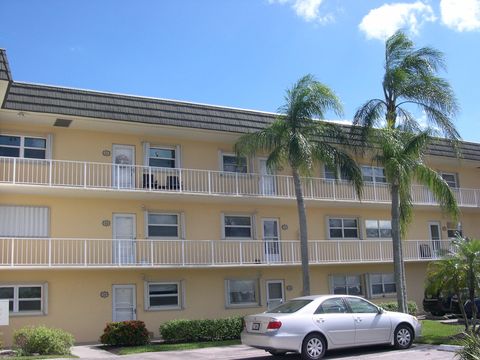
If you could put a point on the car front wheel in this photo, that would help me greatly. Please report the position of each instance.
(313, 347)
(403, 337)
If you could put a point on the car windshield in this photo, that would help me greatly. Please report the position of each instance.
(289, 307)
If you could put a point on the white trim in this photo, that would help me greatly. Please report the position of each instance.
(180, 224)
(383, 294)
(180, 296)
(222, 154)
(176, 154)
(252, 226)
(146, 153)
(267, 292)
(246, 304)
(16, 299)
(134, 299)
(359, 228)
(22, 147)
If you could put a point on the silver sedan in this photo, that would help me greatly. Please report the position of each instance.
(310, 325)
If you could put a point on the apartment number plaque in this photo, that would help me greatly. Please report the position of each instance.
(104, 294)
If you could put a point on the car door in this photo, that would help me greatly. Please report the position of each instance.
(336, 322)
(371, 325)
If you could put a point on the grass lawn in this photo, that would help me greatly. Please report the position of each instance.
(172, 347)
(436, 333)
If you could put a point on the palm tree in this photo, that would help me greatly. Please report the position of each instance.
(458, 270)
(297, 140)
(410, 79)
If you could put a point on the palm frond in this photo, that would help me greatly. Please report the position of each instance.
(440, 189)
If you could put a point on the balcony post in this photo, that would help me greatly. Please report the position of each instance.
(338, 251)
(241, 252)
(476, 197)
(236, 182)
(375, 191)
(334, 190)
(288, 186)
(12, 253)
(49, 252)
(209, 181)
(212, 250)
(151, 252)
(292, 247)
(180, 180)
(14, 170)
(85, 251)
(183, 252)
(50, 164)
(381, 252)
(316, 252)
(149, 180)
(85, 174)
(360, 252)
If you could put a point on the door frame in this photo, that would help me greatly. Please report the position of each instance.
(114, 233)
(262, 179)
(435, 244)
(278, 254)
(267, 292)
(115, 178)
(134, 297)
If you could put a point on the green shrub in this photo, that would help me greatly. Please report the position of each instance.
(42, 340)
(471, 348)
(125, 333)
(393, 306)
(201, 330)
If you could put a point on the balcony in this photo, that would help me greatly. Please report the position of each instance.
(24, 253)
(134, 178)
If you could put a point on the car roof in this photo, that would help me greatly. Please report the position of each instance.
(327, 296)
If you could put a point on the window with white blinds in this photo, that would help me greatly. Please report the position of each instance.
(24, 221)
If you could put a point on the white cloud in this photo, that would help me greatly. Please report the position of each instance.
(383, 21)
(309, 10)
(461, 15)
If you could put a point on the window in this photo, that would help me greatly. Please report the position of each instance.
(361, 306)
(237, 226)
(450, 178)
(454, 230)
(232, 163)
(163, 225)
(332, 306)
(373, 174)
(162, 157)
(382, 284)
(378, 229)
(347, 284)
(242, 292)
(343, 228)
(164, 295)
(23, 298)
(24, 221)
(330, 174)
(23, 146)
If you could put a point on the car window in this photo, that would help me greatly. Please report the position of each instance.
(290, 307)
(332, 306)
(361, 306)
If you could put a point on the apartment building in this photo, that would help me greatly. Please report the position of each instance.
(116, 207)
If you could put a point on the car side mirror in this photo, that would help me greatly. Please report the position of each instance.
(380, 310)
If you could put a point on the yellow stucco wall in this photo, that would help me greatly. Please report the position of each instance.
(75, 304)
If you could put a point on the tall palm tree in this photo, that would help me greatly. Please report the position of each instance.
(401, 154)
(296, 139)
(410, 79)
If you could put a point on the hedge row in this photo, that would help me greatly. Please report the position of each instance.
(125, 333)
(42, 340)
(201, 330)
(393, 306)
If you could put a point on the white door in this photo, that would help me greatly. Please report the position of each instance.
(124, 303)
(124, 231)
(267, 179)
(123, 169)
(435, 235)
(275, 293)
(271, 238)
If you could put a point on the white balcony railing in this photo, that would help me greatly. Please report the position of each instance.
(91, 253)
(90, 175)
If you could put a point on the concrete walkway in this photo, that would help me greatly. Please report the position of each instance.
(240, 352)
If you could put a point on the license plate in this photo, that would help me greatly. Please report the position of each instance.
(256, 326)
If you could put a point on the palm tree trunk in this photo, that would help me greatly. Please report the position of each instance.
(398, 265)
(302, 220)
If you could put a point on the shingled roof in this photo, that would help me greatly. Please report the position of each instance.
(4, 69)
(115, 107)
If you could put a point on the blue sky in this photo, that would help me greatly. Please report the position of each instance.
(238, 53)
